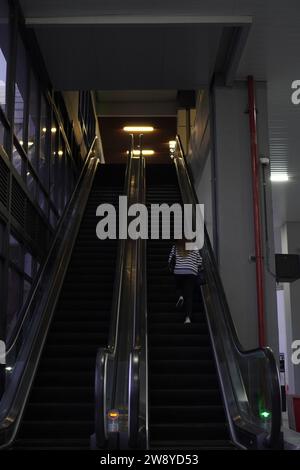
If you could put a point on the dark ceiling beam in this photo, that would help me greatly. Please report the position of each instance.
(232, 45)
(137, 19)
(142, 108)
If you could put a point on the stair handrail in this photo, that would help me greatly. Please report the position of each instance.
(274, 439)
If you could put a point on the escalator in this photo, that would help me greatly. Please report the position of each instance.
(59, 412)
(186, 409)
(169, 385)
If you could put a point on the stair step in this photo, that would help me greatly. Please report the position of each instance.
(62, 394)
(56, 429)
(184, 339)
(186, 432)
(206, 395)
(184, 367)
(174, 353)
(176, 381)
(79, 339)
(191, 414)
(60, 411)
(53, 444)
(63, 379)
(202, 444)
(78, 326)
(70, 364)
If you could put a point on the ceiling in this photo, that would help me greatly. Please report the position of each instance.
(116, 142)
(129, 57)
(137, 103)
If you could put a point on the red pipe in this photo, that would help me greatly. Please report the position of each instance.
(256, 213)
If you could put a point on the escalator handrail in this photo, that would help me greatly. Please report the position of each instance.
(100, 437)
(115, 309)
(14, 335)
(274, 438)
(109, 358)
(138, 416)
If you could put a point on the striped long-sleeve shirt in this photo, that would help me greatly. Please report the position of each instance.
(189, 264)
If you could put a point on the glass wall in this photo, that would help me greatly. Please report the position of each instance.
(40, 163)
(20, 92)
(4, 49)
(22, 269)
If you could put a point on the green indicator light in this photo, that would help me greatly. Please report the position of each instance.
(265, 414)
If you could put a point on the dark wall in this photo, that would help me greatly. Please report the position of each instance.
(116, 142)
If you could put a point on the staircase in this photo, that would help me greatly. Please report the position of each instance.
(186, 408)
(60, 410)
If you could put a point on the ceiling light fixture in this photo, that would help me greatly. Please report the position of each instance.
(136, 153)
(53, 130)
(138, 129)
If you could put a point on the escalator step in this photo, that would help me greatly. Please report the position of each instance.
(51, 444)
(174, 381)
(60, 395)
(184, 413)
(188, 431)
(56, 429)
(200, 444)
(181, 396)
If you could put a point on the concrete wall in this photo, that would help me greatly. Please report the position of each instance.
(199, 157)
(235, 212)
(234, 203)
(291, 244)
(183, 130)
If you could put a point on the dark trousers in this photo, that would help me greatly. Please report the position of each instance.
(185, 286)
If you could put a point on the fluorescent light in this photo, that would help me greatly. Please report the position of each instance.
(28, 173)
(9, 369)
(138, 129)
(53, 130)
(21, 142)
(279, 177)
(45, 129)
(172, 144)
(30, 144)
(60, 153)
(144, 152)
